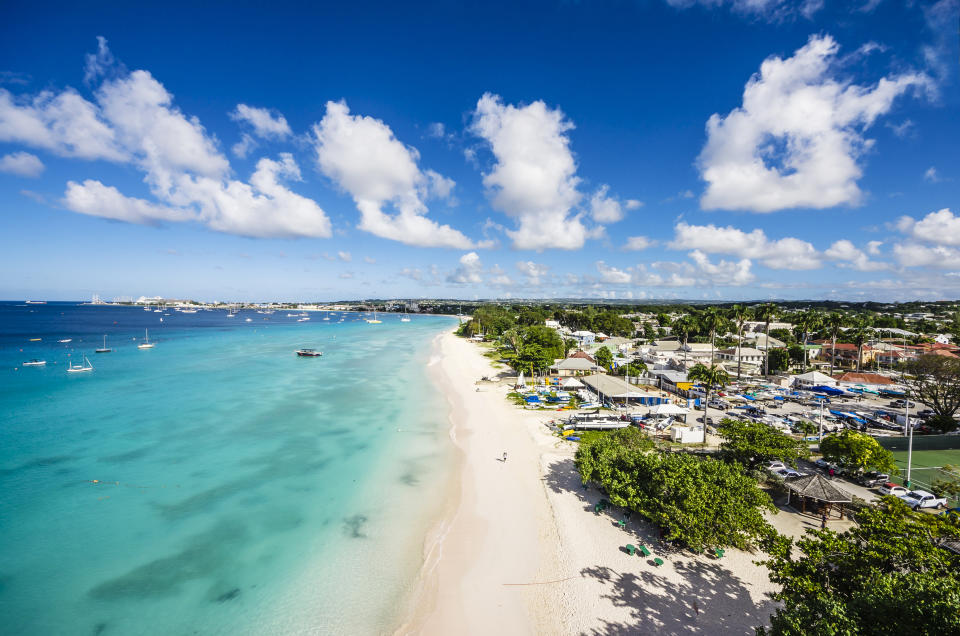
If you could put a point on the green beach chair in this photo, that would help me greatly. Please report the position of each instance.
(631, 549)
(645, 551)
(658, 561)
(622, 523)
(718, 553)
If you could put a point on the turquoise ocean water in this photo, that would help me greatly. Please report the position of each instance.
(216, 484)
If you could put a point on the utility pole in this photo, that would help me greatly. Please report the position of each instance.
(820, 436)
(910, 442)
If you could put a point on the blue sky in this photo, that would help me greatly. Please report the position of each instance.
(734, 149)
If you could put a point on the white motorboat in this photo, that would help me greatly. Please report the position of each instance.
(34, 363)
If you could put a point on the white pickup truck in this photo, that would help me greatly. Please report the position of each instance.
(917, 499)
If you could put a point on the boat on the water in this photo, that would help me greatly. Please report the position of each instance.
(36, 302)
(104, 348)
(249, 320)
(374, 321)
(302, 319)
(65, 340)
(146, 344)
(34, 363)
(77, 368)
(309, 353)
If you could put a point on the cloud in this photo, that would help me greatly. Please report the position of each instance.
(264, 123)
(534, 272)
(797, 138)
(22, 164)
(637, 243)
(437, 129)
(931, 175)
(771, 10)
(918, 255)
(940, 227)
(903, 129)
(364, 158)
(873, 247)
(613, 276)
(633, 204)
(344, 256)
(439, 186)
(700, 271)
(785, 253)
(65, 124)
(245, 146)
(369, 261)
(534, 178)
(98, 64)
(263, 208)
(412, 273)
(469, 272)
(846, 252)
(95, 199)
(605, 209)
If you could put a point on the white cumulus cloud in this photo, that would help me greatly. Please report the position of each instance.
(363, 157)
(940, 227)
(22, 164)
(785, 253)
(469, 272)
(264, 122)
(534, 178)
(797, 138)
(534, 272)
(849, 255)
(637, 243)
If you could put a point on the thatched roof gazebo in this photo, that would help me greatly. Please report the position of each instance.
(818, 489)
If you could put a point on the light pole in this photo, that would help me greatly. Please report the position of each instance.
(820, 436)
(910, 440)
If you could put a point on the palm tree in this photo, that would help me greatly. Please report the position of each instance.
(834, 322)
(711, 319)
(709, 377)
(807, 322)
(682, 327)
(767, 312)
(859, 334)
(740, 315)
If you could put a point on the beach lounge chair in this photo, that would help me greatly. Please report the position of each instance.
(622, 523)
(631, 549)
(658, 561)
(718, 553)
(645, 551)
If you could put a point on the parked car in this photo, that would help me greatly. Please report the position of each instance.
(709, 421)
(893, 489)
(902, 404)
(873, 478)
(917, 499)
(775, 466)
(789, 473)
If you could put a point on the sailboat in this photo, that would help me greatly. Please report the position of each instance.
(104, 349)
(146, 344)
(405, 318)
(374, 321)
(76, 368)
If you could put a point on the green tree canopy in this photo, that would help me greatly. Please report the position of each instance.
(935, 381)
(700, 502)
(886, 576)
(753, 443)
(603, 357)
(778, 359)
(857, 450)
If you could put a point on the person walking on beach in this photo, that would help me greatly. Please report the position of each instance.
(504, 457)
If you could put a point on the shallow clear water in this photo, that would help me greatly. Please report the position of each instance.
(216, 483)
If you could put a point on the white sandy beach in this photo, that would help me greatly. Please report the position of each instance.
(520, 549)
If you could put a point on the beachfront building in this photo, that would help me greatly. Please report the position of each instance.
(746, 355)
(763, 342)
(611, 388)
(863, 378)
(574, 366)
(845, 354)
(584, 337)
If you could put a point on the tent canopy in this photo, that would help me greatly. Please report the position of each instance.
(571, 383)
(668, 409)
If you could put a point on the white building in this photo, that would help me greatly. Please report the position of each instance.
(746, 355)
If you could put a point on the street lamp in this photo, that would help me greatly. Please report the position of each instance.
(910, 440)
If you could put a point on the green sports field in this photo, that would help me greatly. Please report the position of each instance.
(926, 466)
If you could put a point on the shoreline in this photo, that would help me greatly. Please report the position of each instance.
(488, 546)
(518, 548)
